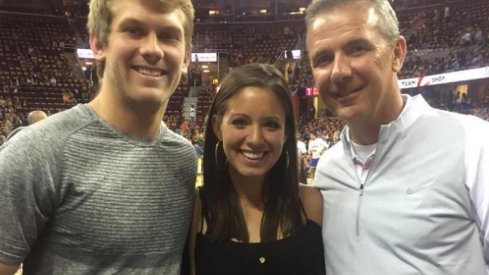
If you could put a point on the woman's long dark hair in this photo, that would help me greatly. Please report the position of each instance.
(220, 204)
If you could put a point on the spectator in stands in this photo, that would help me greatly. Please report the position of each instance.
(316, 147)
(406, 190)
(302, 159)
(193, 113)
(446, 12)
(251, 214)
(32, 117)
(200, 153)
(106, 187)
(185, 128)
(35, 116)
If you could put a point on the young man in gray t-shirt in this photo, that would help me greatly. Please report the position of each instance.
(106, 187)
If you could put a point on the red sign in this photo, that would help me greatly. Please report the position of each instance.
(311, 91)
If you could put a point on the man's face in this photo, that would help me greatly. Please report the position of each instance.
(145, 53)
(352, 64)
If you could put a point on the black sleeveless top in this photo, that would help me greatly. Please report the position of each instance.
(299, 254)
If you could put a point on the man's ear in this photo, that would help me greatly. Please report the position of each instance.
(186, 62)
(216, 126)
(400, 51)
(97, 47)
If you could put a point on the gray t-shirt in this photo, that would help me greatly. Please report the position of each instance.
(80, 197)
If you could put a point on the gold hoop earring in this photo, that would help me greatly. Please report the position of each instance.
(216, 156)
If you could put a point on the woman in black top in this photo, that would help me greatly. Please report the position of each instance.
(251, 215)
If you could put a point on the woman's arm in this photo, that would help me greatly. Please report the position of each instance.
(312, 199)
(8, 269)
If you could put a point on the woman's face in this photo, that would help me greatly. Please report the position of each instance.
(252, 131)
